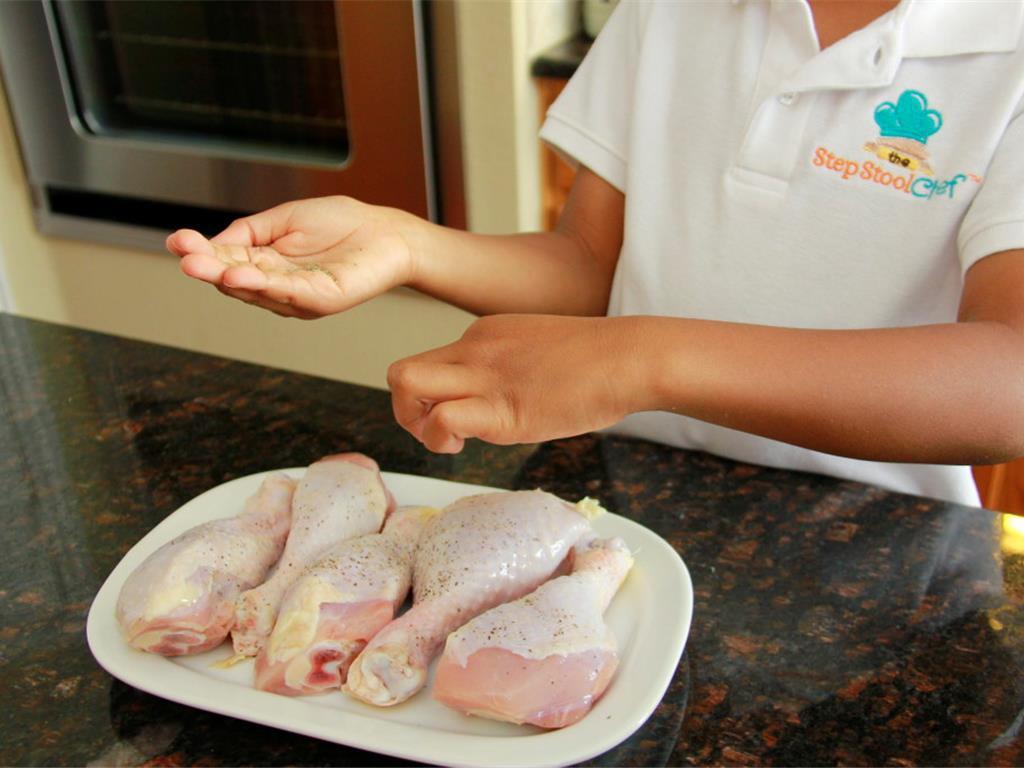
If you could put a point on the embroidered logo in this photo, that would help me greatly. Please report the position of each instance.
(904, 128)
(903, 131)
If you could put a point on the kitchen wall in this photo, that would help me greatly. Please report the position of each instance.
(497, 42)
(143, 295)
(5, 296)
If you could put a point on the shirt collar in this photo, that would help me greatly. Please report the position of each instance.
(952, 27)
(871, 56)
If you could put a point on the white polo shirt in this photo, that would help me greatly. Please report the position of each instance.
(769, 182)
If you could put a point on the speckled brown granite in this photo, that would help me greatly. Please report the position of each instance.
(835, 623)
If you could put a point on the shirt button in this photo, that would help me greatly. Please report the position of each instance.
(786, 99)
(878, 56)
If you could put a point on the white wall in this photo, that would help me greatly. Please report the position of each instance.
(497, 42)
(6, 305)
(143, 295)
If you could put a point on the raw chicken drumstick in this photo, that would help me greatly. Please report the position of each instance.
(340, 497)
(480, 551)
(337, 605)
(545, 658)
(181, 599)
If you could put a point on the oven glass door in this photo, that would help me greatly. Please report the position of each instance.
(261, 78)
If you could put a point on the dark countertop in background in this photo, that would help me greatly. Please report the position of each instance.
(562, 59)
(833, 622)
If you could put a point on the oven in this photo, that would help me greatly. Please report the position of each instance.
(135, 117)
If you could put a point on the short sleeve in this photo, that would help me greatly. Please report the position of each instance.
(589, 121)
(995, 220)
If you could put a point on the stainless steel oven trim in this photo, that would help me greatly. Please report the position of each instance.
(65, 77)
(425, 113)
(446, 111)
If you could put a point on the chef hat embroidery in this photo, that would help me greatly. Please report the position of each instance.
(908, 118)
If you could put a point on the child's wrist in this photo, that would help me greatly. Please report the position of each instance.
(428, 243)
(417, 236)
(640, 363)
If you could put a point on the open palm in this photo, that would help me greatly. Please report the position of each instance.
(305, 259)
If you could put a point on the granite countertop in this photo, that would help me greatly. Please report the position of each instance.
(833, 622)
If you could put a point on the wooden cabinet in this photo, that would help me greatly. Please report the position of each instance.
(1002, 486)
(556, 175)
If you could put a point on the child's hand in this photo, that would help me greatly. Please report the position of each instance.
(303, 259)
(520, 379)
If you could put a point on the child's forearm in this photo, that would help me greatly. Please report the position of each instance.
(945, 393)
(566, 272)
(544, 272)
(951, 393)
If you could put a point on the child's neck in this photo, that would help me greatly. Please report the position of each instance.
(835, 19)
